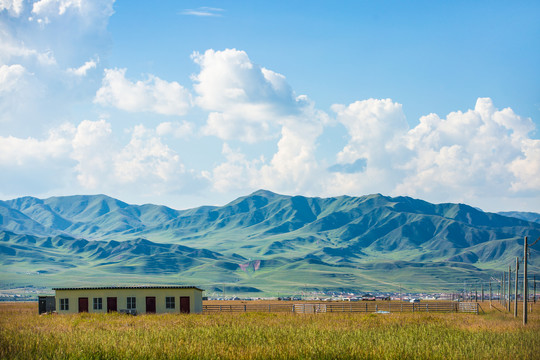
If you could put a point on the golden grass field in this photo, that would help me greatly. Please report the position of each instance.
(492, 335)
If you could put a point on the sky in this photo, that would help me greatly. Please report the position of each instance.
(190, 103)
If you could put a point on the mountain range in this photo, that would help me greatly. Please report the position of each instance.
(262, 243)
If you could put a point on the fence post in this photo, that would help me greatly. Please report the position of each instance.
(482, 287)
(516, 292)
(509, 288)
(490, 294)
(525, 285)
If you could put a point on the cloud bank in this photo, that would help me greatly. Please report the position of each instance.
(236, 127)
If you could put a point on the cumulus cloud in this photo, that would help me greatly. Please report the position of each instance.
(176, 129)
(43, 11)
(83, 69)
(14, 7)
(246, 101)
(237, 172)
(10, 76)
(152, 95)
(93, 149)
(146, 158)
(373, 126)
(474, 153)
(13, 50)
(21, 151)
(95, 158)
(466, 156)
(526, 167)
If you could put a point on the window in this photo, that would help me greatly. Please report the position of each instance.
(131, 304)
(98, 303)
(64, 304)
(169, 302)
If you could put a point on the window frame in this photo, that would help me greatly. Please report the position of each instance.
(131, 303)
(98, 303)
(170, 302)
(64, 304)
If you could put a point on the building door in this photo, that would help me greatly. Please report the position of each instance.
(184, 304)
(111, 304)
(42, 306)
(150, 304)
(83, 305)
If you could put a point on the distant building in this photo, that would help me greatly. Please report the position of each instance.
(46, 304)
(129, 299)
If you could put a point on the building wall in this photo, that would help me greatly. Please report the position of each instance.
(140, 295)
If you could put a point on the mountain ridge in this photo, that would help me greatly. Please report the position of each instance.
(329, 243)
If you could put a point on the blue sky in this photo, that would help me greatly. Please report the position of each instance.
(186, 103)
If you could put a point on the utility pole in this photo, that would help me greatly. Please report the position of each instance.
(525, 283)
(504, 290)
(516, 292)
(509, 288)
(475, 294)
(482, 285)
(534, 287)
(490, 295)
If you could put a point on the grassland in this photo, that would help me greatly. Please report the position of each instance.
(26, 335)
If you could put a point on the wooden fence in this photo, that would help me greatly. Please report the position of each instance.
(365, 307)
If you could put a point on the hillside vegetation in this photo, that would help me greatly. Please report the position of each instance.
(26, 335)
(284, 243)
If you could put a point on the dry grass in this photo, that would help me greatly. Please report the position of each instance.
(26, 335)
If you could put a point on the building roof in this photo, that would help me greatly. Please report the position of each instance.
(131, 287)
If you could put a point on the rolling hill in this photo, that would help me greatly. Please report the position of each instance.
(262, 242)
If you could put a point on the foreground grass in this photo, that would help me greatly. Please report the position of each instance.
(26, 335)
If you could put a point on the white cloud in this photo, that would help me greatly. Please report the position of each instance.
(373, 126)
(246, 102)
(19, 151)
(10, 77)
(15, 50)
(90, 157)
(526, 168)
(88, 11)
(204, 11)
(375, 129)
(152, 95)
(236, 173)
(93, 149)
(14, 7)
(294, 166)
(83, 69)
(146, 158)
(471, 155)
(176, 129)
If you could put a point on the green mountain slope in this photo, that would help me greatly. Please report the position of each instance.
(527, 216)
(283, 243)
